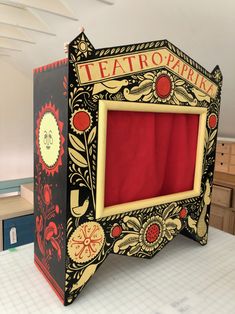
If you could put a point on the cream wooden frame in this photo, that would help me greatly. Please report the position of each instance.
(104, 106)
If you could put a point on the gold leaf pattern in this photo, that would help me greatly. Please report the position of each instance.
(200, 95)
(201, 225)
(179, 82)
(207, 194)
(135, 93)
(172, 224)
(77, 144)
(92, 135)
(128, 240)
(132, 222)
(211, 141)
(192, 224)
(168, 234)
(135, 249)
(183, 96)
(77, 158)
(169, 209)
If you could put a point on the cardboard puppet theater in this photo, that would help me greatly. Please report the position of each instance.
(124, 156)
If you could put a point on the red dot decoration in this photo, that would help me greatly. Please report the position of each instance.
(183, 213)
(47, 194)
(212, 121)
(116, 231)
(163, 86)
(57, 209)
(81, 121)
(152, 233)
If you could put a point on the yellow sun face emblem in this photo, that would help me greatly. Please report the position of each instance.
(49, 139)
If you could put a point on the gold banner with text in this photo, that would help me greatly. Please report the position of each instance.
(119, 66)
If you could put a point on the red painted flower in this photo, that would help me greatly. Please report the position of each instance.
(155, 86)
(116, 231)
(47, 194)
(81, 121)
(212, 121)
(50, 231)
(183, 213)
(163, 86)
(152, 233)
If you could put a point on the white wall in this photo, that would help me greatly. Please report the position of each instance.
(202, 29)
(16, 119)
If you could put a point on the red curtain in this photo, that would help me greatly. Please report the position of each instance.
(149, 154)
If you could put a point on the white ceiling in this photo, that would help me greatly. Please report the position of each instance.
(52, 6)
(35, 27)
(202, 29)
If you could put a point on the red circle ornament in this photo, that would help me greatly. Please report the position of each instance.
(47, 194)
(163, 86)
(152, 233)
(116, 231)
(212, 121)
(81, 121)
(183, 213)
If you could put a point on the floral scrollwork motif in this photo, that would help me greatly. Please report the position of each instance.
(81, 152)
(145, 237)
(161, 87)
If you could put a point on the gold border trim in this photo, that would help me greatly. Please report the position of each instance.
(104, 106)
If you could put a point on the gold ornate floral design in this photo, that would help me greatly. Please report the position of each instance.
(182, 96)
(81, 152)
(144, 232)
(200, 95)
(218, 75)
(199, 226)
(152, 233)
(153, 87)
(145, 237)
(86, 242)
(210, 136)
(83, 46)
(163, 87)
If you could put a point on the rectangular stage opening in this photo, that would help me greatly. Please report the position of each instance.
(150, 154)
